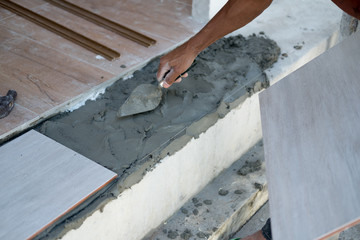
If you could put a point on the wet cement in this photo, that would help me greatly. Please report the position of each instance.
(229, 70)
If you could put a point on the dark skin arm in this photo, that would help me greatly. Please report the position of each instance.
(234, 15)
(351, 7)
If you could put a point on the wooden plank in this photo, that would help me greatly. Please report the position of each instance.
(132, 54)
(33, 4)
(41, 181)
(312, 145)
(19, 118)
(156, 18)
(50, 86)
(61, 30)
(49, 71)
(104, 22)
(30, 95)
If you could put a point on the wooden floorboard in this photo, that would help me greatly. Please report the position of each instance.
(33, 4)
(41, 181)
(20, 118)
(166, 19)
(49, 71)
(49, 86)
(312, 145)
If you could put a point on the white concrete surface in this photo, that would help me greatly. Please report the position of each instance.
(204, 10)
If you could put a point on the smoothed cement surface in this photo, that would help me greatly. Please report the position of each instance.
(229, 70)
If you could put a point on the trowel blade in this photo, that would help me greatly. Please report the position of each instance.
(144, 98)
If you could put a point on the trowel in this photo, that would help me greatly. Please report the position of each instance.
(144, 98)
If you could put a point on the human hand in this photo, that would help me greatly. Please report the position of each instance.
(173, 64)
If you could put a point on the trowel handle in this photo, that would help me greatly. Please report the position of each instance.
(192, 65)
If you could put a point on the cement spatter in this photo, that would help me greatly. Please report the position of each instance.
(229, 70)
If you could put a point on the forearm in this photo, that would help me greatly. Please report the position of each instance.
(234, 15)
(351, 7)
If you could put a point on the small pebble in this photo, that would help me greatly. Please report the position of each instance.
(195, 212)
(298, 47)
(223, 192)
(239, 191)
(262, 33)
(284, 55)
(172, 234)
(214, 229)
(123, 66)
(184, 210)
(208, 202)
(258, 186)
(195, 200)
(198, 205)
(186, 234)
(201, 235)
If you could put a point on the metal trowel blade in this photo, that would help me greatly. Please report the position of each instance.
(144, 98)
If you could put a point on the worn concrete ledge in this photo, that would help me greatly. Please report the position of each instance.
(224, 205)
(162, 191)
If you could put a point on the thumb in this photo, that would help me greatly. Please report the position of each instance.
(170, 78)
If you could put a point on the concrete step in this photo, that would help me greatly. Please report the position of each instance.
(222, 206)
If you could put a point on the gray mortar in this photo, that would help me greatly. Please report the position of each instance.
(227, 73)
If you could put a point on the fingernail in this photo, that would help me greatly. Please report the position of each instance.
(166, 85)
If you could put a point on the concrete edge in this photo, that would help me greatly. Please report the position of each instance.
(200, 161)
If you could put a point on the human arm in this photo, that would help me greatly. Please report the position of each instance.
(234, 15)
(351, 7)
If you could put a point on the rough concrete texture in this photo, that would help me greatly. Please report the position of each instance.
(226, 73)
(212, 214)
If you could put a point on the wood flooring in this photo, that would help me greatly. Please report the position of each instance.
(51, 74)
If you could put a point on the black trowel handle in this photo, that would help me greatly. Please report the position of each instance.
(192, 65)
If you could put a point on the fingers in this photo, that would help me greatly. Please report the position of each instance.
(184, 75)
(170, 78)
(163, 69)
(167, 84)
